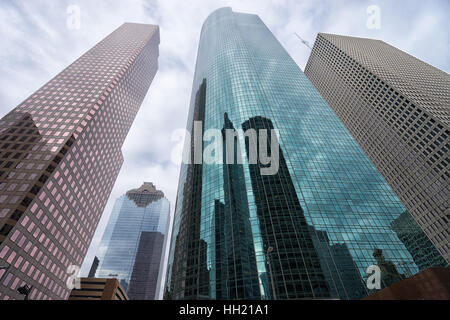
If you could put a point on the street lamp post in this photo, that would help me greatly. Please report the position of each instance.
(269, 250)
(25, 290)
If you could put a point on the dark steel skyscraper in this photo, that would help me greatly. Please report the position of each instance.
(311, 229)
(60, 154)
(398, 109)
(94, 267)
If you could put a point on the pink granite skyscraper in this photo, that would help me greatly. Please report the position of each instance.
(60, 154)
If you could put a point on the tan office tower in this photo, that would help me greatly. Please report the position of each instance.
(60, 154)
(398, 109)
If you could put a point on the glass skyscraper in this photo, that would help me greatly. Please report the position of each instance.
(134, 244)
(310, 230)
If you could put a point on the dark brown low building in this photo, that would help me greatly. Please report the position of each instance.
(99, 289)
(431, 284)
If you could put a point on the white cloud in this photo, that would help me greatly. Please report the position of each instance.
(36, 45)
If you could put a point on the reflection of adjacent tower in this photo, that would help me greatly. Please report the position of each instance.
(221, 243)
(190, 276)
(339, 268)
(389, 272)
(265, 284)
(424, 253)
(295, 264)
(236, 272)
(203, 272)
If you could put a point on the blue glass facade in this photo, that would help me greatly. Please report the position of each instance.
(133, 246)
(327, 213)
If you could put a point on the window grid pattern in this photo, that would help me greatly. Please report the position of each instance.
(397, 108)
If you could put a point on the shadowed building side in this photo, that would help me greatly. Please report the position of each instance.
(283, 226)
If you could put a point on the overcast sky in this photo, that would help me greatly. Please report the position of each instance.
(39, 38)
